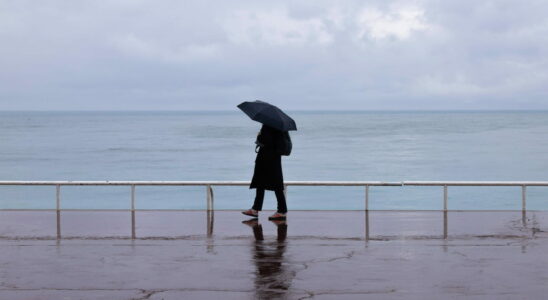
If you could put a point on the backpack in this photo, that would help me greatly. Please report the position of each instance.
(284, 145)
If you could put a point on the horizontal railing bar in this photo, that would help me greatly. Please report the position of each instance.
(476, 183)
(53, 210)
(342, 183)
(292, 183)
(200, 183)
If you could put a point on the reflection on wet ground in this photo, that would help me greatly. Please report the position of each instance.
(325, 255)
(273, 276)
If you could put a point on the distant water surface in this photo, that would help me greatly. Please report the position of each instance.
(384, 146)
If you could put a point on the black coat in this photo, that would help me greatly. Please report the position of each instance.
(268, 164)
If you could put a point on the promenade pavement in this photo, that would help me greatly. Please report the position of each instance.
(314, 255)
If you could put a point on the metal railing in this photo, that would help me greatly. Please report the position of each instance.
(210, 184)
(210, 197)
(445, 184)
(207, 184)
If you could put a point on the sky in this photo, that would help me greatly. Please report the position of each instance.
(299, 55)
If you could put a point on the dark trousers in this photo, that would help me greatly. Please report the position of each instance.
(258, 204)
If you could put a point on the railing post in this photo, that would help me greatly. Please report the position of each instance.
(523, 197)
(58, 209)
(367, 197)
(209, 192)
(132, 197)
(58, 197)
(445, 197)
(133, 235)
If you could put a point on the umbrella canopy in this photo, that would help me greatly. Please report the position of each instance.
(268, 114)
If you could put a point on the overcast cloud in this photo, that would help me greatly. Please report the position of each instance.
(211, 55)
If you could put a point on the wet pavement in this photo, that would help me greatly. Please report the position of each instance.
(315, 254)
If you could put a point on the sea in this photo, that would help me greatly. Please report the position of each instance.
(328, 146)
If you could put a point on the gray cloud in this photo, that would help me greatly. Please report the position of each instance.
(300, 54)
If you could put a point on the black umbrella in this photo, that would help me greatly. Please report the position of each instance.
(268, 114)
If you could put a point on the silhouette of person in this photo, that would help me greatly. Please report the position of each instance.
(268, 174)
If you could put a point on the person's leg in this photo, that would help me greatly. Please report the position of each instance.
(259, 197)
(280, 196)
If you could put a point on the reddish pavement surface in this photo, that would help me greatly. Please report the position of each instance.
(315, 254)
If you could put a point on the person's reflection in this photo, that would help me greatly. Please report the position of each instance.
(273, 276)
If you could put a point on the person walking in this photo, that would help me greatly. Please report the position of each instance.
(273, 141)
(268, 173)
